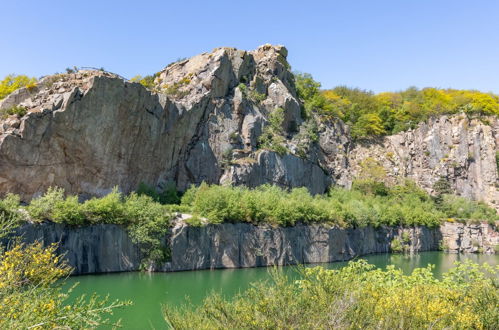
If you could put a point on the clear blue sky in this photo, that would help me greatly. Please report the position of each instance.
(378, 45)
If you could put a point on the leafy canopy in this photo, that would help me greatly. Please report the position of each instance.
(13, 82)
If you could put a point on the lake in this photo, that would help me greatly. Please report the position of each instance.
(149, 291)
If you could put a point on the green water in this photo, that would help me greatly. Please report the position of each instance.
(149, 291)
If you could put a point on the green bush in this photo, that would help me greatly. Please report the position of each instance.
(169, 195)
(9, 207)
(272, 137)
(462, 208)
(15, 110)
(403, 204)
(357, 296)
(146, 220)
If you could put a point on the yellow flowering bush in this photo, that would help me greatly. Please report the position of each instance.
(31, 293)
(358, 296)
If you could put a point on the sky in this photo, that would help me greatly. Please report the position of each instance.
(375, 45)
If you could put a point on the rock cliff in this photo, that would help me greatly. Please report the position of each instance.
(107, 248)
(202, 120)
(458, 149)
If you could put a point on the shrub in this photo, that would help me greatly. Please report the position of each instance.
(14, 110)
(272, 137)
(32, 294)
(460, 207)
(357, 296)
(13, 82)
(9, 207)
(146, 220)
(399, 205)
(40, 208)
(169, 195)
(107, 209)
(147, 81)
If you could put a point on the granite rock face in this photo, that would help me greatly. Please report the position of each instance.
(108, 248)
(90, 249)
(245, 245)
(470, 238)
(203, 119)
(90, 131)
(460, 150)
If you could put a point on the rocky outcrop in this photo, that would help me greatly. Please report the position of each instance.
(89, 249)
(470, 238)
(460, 150)
(107, 248)
(90, 131)
(203, 119)
(244, 245)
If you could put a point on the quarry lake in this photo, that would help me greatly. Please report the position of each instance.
(149, 291)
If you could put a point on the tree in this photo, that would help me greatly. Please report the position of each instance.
(369, 124)
(13, 82)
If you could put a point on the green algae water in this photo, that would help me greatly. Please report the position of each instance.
(149, 291)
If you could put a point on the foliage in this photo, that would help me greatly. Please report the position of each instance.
(272, 136)
(9, 207)
(404, 204)
(177, 89)
(31, 295)
(146, 220)
(462, 208)
(314, 101)
(169, 195)
(371, 114)
(14, 110)
(441, 187)
(147, 81)
(396, 246)
(13, 82)
(358, 296)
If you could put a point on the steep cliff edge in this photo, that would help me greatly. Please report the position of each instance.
(108, 248)
(460, 150)
(90, 131)
(203, 120)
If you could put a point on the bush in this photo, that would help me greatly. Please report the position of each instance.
(146, 220)
(357, 296)
(169, 195)
(272, 137)
(15, 110)
(399, 205)
(9, 207)
(462, 208)
(32, 294)
(12, 82)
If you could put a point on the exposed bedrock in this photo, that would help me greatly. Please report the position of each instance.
(203, 120)
(107, 248)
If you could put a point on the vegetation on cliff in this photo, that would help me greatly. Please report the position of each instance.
(370, 114)
(33, 297)
(368, 203)
(13, 82)
(146, 220)
(358, 296)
